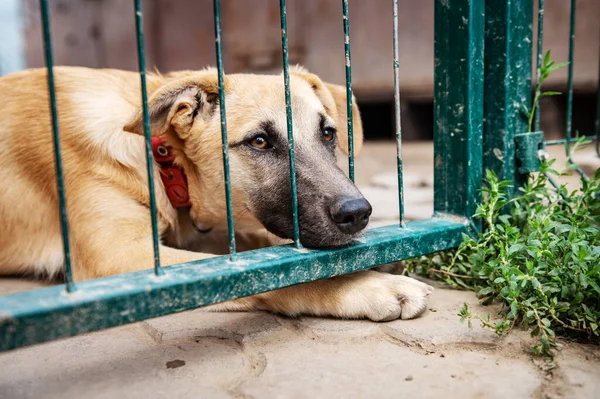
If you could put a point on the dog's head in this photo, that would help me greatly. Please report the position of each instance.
(186, 112)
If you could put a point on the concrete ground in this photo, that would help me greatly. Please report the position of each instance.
(259, 355)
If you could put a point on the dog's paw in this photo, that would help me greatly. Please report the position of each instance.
(385, 297)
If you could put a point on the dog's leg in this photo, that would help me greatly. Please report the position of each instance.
(111, 234)
(131, 257)
(365, 294)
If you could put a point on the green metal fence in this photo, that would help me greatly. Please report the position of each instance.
(569, 111)
(509, 148)
(465, 87)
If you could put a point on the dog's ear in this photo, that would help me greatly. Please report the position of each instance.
(176, 105)
(333, 98)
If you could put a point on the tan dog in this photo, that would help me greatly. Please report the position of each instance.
(106, 183)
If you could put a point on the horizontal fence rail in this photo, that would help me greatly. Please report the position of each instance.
(37, 316)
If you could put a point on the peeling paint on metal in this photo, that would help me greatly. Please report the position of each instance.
(498, 154)
(527, 147)
(458, 105)
(508, 49)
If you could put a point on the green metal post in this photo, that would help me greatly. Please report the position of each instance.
(569, 113)
(224, 142)
(568, 128)
(398, 114)
(508, 46)
(597, 125)
(139, 27)
(348, 63)
(60, 185)
(290, 126)
(458, 107)
(540, 50)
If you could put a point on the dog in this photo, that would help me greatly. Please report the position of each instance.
(105, 176)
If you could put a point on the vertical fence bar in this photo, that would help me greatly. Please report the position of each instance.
(569, 114)
(508, 46)
(398, 115)
(139, 27)
(290, 127)
(224, 142)
(538, 68)
(597, 125)
(60, 185)
(458, 107)
(538, 76)
(348, 62)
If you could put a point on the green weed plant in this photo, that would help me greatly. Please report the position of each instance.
(538, 255)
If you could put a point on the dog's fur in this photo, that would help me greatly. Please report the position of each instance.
(101, 128)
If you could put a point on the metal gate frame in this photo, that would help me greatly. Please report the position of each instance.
(461, 152)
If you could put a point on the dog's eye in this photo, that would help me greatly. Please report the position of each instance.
(260, 143)
(329, 134)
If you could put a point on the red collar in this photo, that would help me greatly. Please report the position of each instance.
(172, 176)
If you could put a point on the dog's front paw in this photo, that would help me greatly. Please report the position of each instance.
(385, 297)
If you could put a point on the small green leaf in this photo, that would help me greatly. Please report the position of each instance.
(485, 291)
(546, 58)
(529, 313)
(554, 67)
(594, 285)
(514, 248)
(546, 322)
(550, 93)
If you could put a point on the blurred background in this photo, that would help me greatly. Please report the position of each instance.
(179, 35)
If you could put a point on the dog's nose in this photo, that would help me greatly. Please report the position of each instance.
(351, 214)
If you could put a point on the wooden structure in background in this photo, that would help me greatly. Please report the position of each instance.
(100, 33)
(179, 35)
